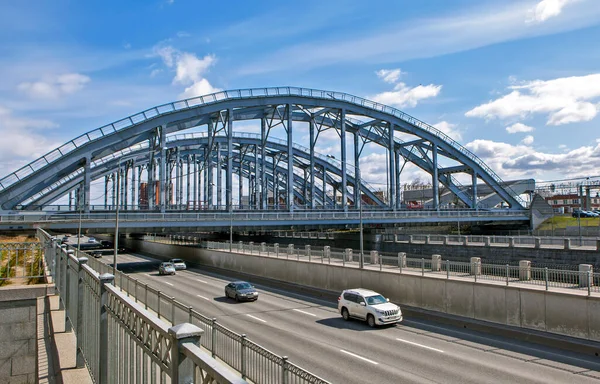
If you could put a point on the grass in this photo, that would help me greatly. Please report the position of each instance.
(561, 222)
(8, 260)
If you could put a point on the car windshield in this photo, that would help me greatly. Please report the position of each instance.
(167, 265)
(374, 300)
(177, 261)
(244, 286)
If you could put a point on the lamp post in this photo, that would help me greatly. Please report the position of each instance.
(117, 221)
(79, 226)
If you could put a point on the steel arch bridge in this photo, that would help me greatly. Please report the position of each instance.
(150, 166)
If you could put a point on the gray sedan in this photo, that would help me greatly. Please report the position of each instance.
(241, 291)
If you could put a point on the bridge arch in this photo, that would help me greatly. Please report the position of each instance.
(150, 140)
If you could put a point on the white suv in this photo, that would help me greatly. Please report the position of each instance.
(368, 305)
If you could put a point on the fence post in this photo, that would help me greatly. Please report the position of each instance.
(422, 266)
(213, 341)
(183, 370)
(284, 370)
(447, 269)
(546, 277)
(190, 317)
(173, 310)
(158, 304)
(276, 246)
(105, 278)
(590, 282)
(436, 263)
(80, 361)
(380, 263)
(243, 356)
(67, 297)
(145, 296)
(507, 273)
(525, 270)
(401, 260)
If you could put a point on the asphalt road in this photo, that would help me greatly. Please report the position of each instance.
(314, 336)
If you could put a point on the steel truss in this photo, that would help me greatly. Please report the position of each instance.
(195, 171)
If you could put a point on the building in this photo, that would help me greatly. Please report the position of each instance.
(566, 203)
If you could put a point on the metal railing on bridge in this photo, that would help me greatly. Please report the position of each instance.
(138, 318)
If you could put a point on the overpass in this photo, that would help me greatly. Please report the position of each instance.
(184, 157)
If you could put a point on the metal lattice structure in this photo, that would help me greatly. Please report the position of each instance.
(151, 166)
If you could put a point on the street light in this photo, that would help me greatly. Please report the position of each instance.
(117, 221)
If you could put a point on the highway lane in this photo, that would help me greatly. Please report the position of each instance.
(314, 336)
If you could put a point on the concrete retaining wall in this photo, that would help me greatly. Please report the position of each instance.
(566, 314)
(18, 333)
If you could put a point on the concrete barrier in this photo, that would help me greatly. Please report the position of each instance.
(585, 275)
(475, 266)
(374, 257)
(307, 250)
(401, 260)
(348, 254)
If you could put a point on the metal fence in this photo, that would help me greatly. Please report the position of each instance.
(254, 362)
(118, 340)
(564, 277)
(22, 262)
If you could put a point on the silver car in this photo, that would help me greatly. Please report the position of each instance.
(166, 268)
(241, 291)
(178, 263)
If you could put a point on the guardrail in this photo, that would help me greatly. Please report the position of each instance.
(254, 362)
(46, 217)
(118, 340)
(550, 278)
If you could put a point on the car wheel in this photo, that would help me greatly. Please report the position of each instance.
(237, 298)
(345, 314)
(371, 321)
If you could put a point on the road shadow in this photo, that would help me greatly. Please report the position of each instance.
(352, 324)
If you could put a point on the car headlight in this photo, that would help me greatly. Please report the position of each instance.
(380, 312)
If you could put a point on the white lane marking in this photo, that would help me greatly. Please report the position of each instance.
(256, 318)
(202, 281)
(359, 357)
(306, 313)
(420, 345)
(205, 298)
(166, 282)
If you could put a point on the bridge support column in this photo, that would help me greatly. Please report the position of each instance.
(311, 131)
(219, 172)
(290, 161)
(524, 270)
(229, 183)
(344, 188)
(263, 163)
(474, 204)
(357, 176)
(511, 242)
(597, 245)
(567, 244)
(391, 150)
(538, 242)
(162, 171)
(87, 177)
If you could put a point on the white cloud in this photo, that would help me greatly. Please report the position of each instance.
(54, 87)
(547, 9)
(519, 127)
(21, 140)
(189, 70)
(199, 88)
(404, 96)
(463, 29)
(528, 140)
(449, 129)
(565, 100)
(511, 161)
(390, 76)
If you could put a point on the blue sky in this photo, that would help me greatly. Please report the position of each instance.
(516, 82)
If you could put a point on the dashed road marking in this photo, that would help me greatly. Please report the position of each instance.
(306, 313)
(166, 282)
(202, 281)
(420, 345)
(256, 318)
(205, 298)
(359, 357)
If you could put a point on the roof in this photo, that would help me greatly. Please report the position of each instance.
(362, 291)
